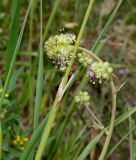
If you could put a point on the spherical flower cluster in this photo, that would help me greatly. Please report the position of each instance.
(100, 71)
(20, 142)
(83, 98)
(59, 49)
(84, 59)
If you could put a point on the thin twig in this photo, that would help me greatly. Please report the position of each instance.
(94, 117)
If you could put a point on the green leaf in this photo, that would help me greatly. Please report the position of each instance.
(10, 71)
(16, 5)
(119, 142)
(105, 29)
(34, 139)
(40, 76)
(90, 147)
(124, 116)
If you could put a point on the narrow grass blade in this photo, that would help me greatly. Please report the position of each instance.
(117, 145)
(75, 144)
(124, 116)
(130, 137)
(12, 64)
(40, 76)
(32, 64)
(15, 54)
(34, 139)
(103, 32)
(16, 5)
(55, 7)
(90, 147)
(31, 24)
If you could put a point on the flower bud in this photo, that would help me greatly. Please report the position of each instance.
(83, 98)
(84, 59)
(100, 71)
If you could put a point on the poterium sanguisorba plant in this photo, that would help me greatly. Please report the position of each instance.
(60, 49)
(62, 88)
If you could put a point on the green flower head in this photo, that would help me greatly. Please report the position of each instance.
(84, 59)
(82, 98)
(59, 49)
(100, 70)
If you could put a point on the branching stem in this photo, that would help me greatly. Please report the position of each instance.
(109, 132)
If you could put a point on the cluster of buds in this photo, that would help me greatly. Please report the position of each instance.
(84, 59)
(83, 98)
(100, 71)
(59, 49)
(20, 142)
(6, 94)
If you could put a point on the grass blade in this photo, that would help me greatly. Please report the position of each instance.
(40, 76)
(130, 137)
(32, 64)
(124, 116)
(12, 66)
(90, 147)
(57, 2)
(14, 55)
(103, 32)
(35, 137)
(122, 139)
(16, 4)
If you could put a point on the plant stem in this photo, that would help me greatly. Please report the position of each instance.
(48, 127)
(72, 108)
(94, 117)
(111, 126)
(119, 142)
(90, 53)
(130, 137)
(78, 40)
